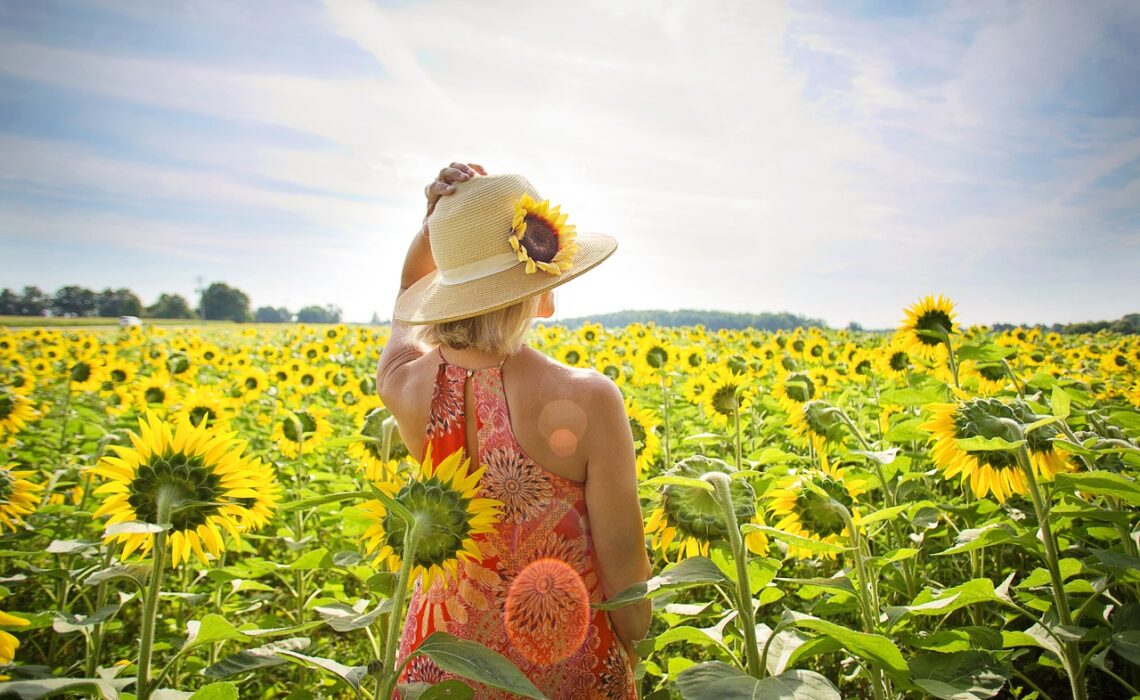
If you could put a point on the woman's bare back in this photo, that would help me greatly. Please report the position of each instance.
(550, 406)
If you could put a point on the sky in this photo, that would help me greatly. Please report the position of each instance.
(839, 160)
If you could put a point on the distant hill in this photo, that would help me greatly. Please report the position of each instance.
(1129, 324)
(712, 320)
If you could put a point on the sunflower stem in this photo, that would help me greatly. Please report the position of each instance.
(396, 617)
(867, 593)
(950, 357)
(164, 502)
(721, 485)
(1072, 660)
(1016, 384)
(736, 420)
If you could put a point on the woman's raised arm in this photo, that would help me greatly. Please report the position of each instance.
(402, 346)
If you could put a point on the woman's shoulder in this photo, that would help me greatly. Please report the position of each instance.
(583, 385)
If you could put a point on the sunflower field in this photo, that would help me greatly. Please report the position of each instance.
(939, 512)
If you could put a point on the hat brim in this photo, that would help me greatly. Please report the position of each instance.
(431, 301)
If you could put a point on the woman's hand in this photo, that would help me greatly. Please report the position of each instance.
(445, 184)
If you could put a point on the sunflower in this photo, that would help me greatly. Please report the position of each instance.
(541, 237)
(795, 389)
(726, 397)
(250, 384)
(643, 423)
(307, 380)
(574, 355)
(197, 475)
(800, 509)
(84, 375)
(926, 326)
(991, 471)
(444, 499)
(315, 429)
(692, 518)
(8, 642)
(117, 374)
(206, 403)
(894, 360)
(816, 424)
(610, 365)
(590, 333)
(369, 453)
(18, 496)
(156, 391)
(15, 412)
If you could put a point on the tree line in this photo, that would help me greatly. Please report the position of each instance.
(219, 302)
(712, 320)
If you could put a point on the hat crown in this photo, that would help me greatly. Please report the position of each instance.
(473, 224)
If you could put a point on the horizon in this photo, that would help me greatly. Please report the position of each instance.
(839, 162)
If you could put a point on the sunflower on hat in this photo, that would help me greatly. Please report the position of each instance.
(541, 237)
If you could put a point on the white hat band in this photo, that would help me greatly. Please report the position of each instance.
(479, 269)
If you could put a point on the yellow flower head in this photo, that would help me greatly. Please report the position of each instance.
(541, 237)
(444, 499)
(926, 324)
(18, 496)
(198, 473)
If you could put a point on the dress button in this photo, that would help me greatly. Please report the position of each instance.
(470, 373)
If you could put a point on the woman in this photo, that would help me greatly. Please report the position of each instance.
(554, 441)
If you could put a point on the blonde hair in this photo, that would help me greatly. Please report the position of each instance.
(498, 332)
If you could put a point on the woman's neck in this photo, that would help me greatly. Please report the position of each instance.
(470, 358)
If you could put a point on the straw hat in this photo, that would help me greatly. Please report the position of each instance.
(495, 243)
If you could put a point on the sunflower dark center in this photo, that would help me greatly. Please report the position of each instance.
(118, 375)
(80, 372)
(1120, 360)
(573, 357)
(994, 373)
(308, 426)
(798, 345)
(7, 405)
(200, 413)
(539, 239)
(155, 394)
(863, 368)
(251, 383)
(899, 361)
(196, 489)
(612, 371)
(443, 509)
(656, 356)
(178, 363)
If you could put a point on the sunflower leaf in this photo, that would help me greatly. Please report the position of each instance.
(1100, 483)
(964, 675)
(715, 680)
(255, 658)
(135, 528)
(350, 675)
(985, 444)
(875, 649)
(812, 545)
(691, 571)
(680, 481)
(478, 663)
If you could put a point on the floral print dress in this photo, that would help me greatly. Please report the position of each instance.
(543, 516)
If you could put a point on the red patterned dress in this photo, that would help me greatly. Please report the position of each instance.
(543, 515)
